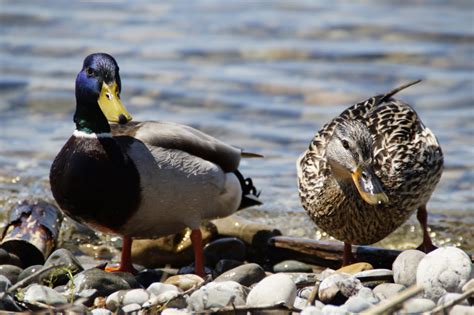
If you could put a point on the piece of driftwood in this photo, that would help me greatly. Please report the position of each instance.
(32, 231)
(327, 253)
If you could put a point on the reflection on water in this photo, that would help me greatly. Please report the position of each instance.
(261, 75)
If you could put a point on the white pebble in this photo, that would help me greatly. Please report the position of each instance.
(264, 293)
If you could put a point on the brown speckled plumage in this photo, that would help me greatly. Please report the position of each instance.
(405, 156)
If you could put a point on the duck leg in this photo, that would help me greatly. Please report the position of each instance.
(126, 258)
(348, 258)
(196, 240)
(422, 216)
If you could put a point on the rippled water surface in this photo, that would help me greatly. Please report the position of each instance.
(260, 75)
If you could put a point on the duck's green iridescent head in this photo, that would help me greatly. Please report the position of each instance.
(350, 155)
(98, 88)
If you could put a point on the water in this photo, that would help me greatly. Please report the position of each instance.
(260, 75)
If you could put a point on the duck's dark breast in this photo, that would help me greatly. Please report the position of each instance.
(95, 183)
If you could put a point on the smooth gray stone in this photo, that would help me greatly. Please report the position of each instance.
(292, 266)
(29, 271)
(11, 272)
(224, 248)
(265, 293)
(61, 258)
(374, 273)
(40, 293)
(386, 290)
(418, 305)
(104, 282)
(405, 265)
(246, 275)
(5, 283)
(217, 295)
(356, 304)
(125, 297)
(446, 269)
(224, 265)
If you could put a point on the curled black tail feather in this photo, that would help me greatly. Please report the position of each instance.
(249, 192)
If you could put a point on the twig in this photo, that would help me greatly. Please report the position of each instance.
(465, 295)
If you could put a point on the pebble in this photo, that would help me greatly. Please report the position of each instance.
(40, 293)
(149, 276)
(104, 282)
(8, 303)
(264, 293)
(226, 264)
(292, 266)
(190, 270)
(405, 265)
(158, 288)
(333, 310)
(368, 295)
(246, 275)
(311, 310)
(326, 273)
(174, 311)
(5, 283)
(355, 268)
(449, 297)
(374, 273)
(101, 311)
(29, 271)
(131, 308)
(130, 278)
(418, 305)
(11, 272)
(386, 290)
(185, 282)
(338, 287)
(217, 295)
(462, 310)
(356, 304)
(446, 269)
(125, 297)
(224, 248)
(63, 258)
(300, 302)
(163, 298)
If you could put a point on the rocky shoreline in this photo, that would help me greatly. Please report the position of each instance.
(241, 278)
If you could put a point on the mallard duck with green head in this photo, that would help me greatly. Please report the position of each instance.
(142, 179)
(366, 172)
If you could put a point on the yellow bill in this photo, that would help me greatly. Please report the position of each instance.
(111, 105)
(369, 186)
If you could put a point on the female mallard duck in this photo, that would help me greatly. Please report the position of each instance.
(144, 179)
(368, 170)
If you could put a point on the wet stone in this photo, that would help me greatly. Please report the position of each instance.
(246, 275)
(405, 265)
(42, 294)
(217, 295)
(418, 305)
(5, 283)
(8, 303)
(66, 263)
(185, 282)
(29, 271)
(7, 258)
(226, 264)
(264, 293)
(130, 278)
(104, 282)
(224, 248)
(446, 269)
(149, 276)
(11, 272)
(387, 290)
(292, 266)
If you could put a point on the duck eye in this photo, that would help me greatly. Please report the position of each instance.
(345, 144)
(90, 72)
